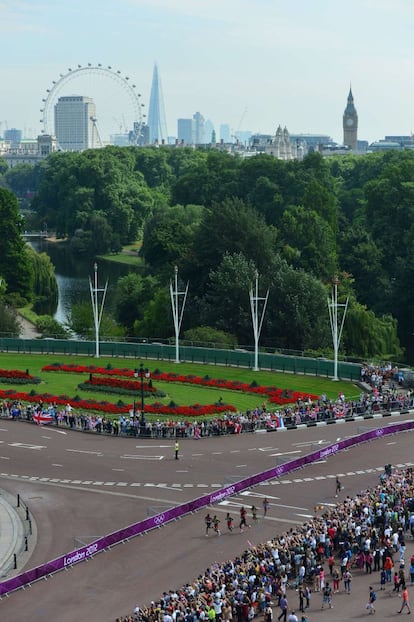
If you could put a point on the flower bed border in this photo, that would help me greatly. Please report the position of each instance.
(275, 395)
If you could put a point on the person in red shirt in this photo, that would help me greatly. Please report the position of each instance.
(405, 601)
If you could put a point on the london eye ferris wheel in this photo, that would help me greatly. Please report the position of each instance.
(118, 104)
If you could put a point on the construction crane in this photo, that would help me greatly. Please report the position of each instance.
(237, 130)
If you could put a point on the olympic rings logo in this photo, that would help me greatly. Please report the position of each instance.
(158, 520)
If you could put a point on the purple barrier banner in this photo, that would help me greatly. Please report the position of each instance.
(87, 552)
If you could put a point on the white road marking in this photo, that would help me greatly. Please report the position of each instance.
(152, 446)
(197, 455)
(27, 446)
(4, 458)
(268, 448)
(118, 469)
(305, 515)
(183, 471)
(84, 451)
(135, 457)
(252, 493)
(235, 451)
(240, 466)
(57, 431)
(57, 465)
(287, 453)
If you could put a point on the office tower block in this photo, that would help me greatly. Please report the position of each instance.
(157, 123)
(75, 123)
(13, 136)
(225, 134)
(198, 128)
(209, 132)
(185, 133)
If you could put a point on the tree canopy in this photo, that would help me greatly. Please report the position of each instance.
(218, 216)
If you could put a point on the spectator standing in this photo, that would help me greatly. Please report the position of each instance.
(293, 617)
(336, 578)
(327, 596)
(283, 609)
(301, 599)
(347, 581)
(405, 601)
(307, 597)
(412, 571)
(268, 614)
(371, 600)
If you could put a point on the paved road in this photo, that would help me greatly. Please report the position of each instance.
(80, 487)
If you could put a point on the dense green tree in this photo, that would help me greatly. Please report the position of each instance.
(367, 336)
(15, 264)
(157, 317)
(214, 179)
(9, 323)
(297, 316)
(21, 179)
(45, 289)
(309, 242)
(229, 227)
(133, 293)
(80, 322)
(205, 336)
(168, 237)
(225, 305)
(76, 186)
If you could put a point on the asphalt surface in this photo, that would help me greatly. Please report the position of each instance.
(79, 487)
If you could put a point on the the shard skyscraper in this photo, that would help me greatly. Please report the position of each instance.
(157, 124)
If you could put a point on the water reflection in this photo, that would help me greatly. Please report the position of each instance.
(72, 275)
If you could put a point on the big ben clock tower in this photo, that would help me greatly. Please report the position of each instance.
(350, 123)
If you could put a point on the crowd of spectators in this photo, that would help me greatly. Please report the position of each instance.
(363, 534)
(305, 412)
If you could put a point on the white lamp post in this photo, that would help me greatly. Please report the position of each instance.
(177, 313)
(97, 310)
(257, 317)
(333, 306)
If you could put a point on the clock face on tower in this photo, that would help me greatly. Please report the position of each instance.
(350, 122)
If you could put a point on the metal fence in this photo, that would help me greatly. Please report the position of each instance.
(188, 354)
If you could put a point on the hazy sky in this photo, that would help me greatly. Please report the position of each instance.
(254, 64)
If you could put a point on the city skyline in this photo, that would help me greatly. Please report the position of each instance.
(252, 64)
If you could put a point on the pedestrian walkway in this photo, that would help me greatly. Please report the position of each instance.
(12, 534)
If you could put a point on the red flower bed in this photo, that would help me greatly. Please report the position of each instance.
(15, 374)
(130, 385)
(195, 410)
(274, 394)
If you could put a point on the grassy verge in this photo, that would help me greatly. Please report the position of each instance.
(60, 383)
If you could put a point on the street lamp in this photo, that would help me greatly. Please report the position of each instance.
(142, 373)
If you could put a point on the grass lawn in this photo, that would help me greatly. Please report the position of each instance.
(61, 383)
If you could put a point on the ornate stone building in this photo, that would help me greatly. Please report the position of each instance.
(281, 147)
